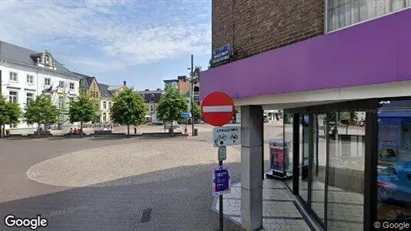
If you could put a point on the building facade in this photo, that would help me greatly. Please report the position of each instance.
(25, 74)
(106, 102)
(340, 70)
(152, 98)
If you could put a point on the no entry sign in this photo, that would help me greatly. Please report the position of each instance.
(217, 108)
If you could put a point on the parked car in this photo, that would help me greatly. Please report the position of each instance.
(394, 184)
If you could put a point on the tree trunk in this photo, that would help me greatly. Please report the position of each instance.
(128, 130)
(171, 129)
(81, 129)
(1, 131)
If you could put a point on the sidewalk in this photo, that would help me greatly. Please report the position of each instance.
(279, 209)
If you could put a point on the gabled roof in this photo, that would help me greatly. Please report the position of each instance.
(25, 56)
(86, 77)
(104, 90)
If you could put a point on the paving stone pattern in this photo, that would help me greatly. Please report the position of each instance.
(279, 210)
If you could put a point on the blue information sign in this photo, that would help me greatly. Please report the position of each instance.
(221, 181)
(186, 115)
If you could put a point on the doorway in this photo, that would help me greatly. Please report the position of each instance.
(332, 166)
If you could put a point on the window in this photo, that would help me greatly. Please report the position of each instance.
(47, 59)
(104, 105)
(47, 82)
(71, 99)
(61, 102)
(109, 105)
(13, 96)
(71, 86)
(61, 83)
(13, 76)
(13, 126)
(30, 79)
(29, 97)
(104, 117)
(343, 13)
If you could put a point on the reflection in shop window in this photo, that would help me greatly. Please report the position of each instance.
(394, 160)
(345, 198)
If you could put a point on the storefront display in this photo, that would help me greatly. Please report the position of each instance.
(394, 161)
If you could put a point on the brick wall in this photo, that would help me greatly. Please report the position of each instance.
(256, 26)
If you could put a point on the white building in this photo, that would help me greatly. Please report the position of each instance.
(24, 74)
(106, 102)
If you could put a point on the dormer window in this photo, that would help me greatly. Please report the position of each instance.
(47, 60)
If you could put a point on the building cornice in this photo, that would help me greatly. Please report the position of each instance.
(39, 69)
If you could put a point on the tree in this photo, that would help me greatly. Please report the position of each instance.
(10, 113)
(83, 109)
(196, 112)
(41, 110)
(171, 106)
(128, 109)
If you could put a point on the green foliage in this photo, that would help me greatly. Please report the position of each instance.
(41, 111)
(128, 108)
(196, 111)
(171, 105)
(83, 109)
(10, 113)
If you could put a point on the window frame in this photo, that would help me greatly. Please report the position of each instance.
(15, 75)
(72, 86)
(327, 9)
(47, 80)
(28, 76)
(14, 96)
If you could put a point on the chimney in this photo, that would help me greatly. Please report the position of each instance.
(124, 83)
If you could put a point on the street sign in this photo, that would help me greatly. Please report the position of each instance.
(226, 136)
(222, 153)
(186, 115)
(221, 181)
(217, 108)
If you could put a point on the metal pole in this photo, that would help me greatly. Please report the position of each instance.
(191, 95)
(221, 218)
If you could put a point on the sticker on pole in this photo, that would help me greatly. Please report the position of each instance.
(221, 181)
(226, 136)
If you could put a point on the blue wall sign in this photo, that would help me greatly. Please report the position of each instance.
(221, 181)
(186, 115)
(222, 54)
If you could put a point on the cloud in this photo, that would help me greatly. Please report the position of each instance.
(121, 32)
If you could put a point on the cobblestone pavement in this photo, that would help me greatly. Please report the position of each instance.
(115, 183)
(139, 193)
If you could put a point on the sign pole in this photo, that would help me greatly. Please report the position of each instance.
(220, 164)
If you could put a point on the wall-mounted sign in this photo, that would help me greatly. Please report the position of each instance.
(221, 54)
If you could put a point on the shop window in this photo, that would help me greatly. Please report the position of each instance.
(288, 138)
(346, 148)
(394, 160)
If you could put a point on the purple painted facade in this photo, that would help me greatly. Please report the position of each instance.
(374, 52)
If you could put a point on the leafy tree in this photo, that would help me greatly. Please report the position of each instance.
(41, 111)
(128, 108)
(196, 112)
(10, 113)
(171, 106)
(83, 109)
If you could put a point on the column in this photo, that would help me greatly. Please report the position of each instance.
(252, 153)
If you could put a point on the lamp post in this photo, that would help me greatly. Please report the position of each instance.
(192, 94)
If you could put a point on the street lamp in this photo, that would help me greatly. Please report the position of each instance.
(153, 105)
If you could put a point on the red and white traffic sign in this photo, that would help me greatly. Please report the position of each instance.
(217, 108)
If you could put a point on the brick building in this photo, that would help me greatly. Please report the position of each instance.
(318, 60)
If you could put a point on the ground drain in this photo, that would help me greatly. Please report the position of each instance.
(146, 216)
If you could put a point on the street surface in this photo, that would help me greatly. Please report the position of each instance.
(115, 183)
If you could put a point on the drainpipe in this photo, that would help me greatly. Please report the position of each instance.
(326, 16)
